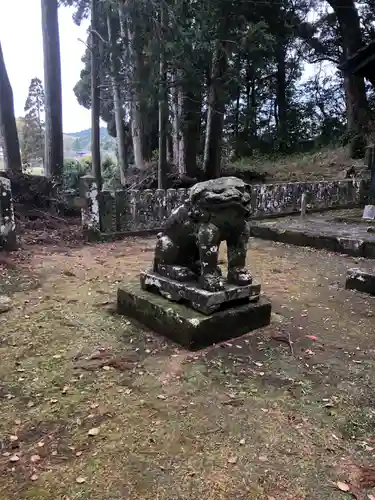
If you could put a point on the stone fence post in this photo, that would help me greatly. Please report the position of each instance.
(8, 237)
(90, 211)
(303, 205)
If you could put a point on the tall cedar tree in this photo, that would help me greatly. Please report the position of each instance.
(8, 127)
(54, 148)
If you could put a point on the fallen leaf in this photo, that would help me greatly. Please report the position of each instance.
(79, 453)
(367, 479)
(262, 458)
(80, 480)
(371, 497)
(342, 486)
(14, 458)
(41, 444)
(312, 337)
(94, 431)
(34, 458)
(65, 389)
(232, 460)
(34, 477)
(94, 405)
(258, 363)
(106, 367)
(13, 438)
(242, 441)
(68, 273)
(161, 396)
(329, 405)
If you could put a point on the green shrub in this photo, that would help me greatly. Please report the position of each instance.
(73, 171)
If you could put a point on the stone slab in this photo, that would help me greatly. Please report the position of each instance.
(194, 296)
(363, 281)
(369, 212)
(182, 324)
(346, 238)
(5, 304)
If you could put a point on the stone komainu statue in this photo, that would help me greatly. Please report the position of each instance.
(217, 210)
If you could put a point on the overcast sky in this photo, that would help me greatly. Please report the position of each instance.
(21, 39)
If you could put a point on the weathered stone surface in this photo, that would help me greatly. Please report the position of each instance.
(5, 304)
(351, 239)
(8, 238)
(360, 280)
(201, 300)
(91, 212)
(135, 212)
(369, 212)
(186, 326)
(216, 211)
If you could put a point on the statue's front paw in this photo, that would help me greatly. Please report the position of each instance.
(239, 276)
(212, 282)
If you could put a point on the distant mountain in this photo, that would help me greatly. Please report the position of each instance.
(76, 143)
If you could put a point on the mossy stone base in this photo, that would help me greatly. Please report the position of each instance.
(362, 281)
(186, 326)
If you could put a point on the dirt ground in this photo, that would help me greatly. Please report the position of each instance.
(94, 407)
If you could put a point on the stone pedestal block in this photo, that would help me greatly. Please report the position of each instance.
(196, 297)
(363, 281)
(369, 212)
(187, 326)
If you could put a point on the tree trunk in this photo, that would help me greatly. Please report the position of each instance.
(250, 128)
(178, 138)
(54, 148)
(163, 105)
(118, 109)
(356, 100)
(237, 109)
(95, 97)
(175, 121)
(8, 126)
(133, 60)
(181, 146)
(215, 114)
(281, 100)
(190, 126)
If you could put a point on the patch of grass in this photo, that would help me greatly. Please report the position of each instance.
(327, 163)
(358, 423)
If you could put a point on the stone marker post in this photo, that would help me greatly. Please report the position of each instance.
(90, 211)
(369, 210)
(8, 238)
(303, 205)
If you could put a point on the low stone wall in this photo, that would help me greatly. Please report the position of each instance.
(8, 238)
(126, 212)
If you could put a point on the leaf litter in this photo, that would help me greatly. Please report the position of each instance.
(108, 384)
